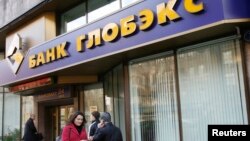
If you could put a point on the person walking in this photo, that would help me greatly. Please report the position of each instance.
(30, 131)
(106, 131)
(74, 130)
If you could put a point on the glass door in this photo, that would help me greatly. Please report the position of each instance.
(55, 121)
(92, 98)
(65, 112)
(51, 123)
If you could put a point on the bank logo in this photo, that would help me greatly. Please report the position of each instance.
(14, 53)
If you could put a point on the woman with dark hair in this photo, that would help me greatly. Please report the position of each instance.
(94, 118)
(74, 130)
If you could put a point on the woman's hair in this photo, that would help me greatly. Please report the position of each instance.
(73, 117)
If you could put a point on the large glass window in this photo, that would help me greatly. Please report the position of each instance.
(74, 18)
(211, 88)
(114, 97)
(93, 98)
(154, 114)
(100, 8)
(89, 11)
(11, 124)
(211, 91)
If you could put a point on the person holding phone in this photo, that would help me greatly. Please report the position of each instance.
(106, 131)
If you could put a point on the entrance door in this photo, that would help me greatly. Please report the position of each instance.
(65, 112)
(56, 118)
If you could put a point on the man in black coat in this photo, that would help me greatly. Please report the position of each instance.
(106, 130)
(30, 132)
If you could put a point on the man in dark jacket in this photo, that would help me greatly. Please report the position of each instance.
(106, 130)
(30, 132)
(95, 120)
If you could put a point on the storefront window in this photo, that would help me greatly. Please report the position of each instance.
(11, 124)
(98, 9)
(211, 88)
(114, 97)
(154, 114)
(27, 109)
(74, 18)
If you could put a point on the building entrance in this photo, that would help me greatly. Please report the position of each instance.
(56, 118)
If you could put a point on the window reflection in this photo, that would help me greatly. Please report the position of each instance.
(11, 124)
(76, 23)
(128, 2)
(114, 97)
(74, 18)
(65, 112)
(210, 86)
(98, 9)
(79, 16)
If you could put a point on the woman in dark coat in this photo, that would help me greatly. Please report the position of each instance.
(30, 132)
(74, 130)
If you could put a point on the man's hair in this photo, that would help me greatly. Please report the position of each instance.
(106, 117)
